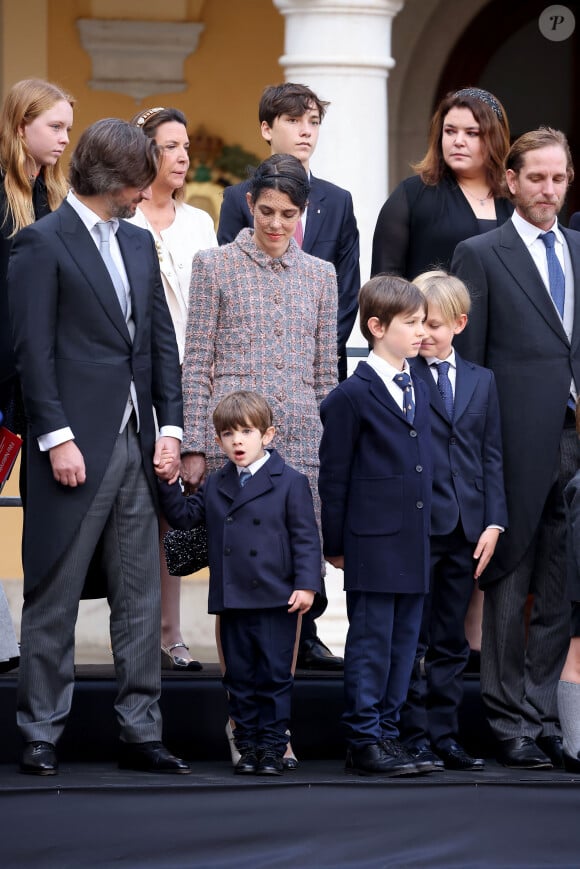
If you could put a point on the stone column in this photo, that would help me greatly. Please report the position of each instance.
(342, 50)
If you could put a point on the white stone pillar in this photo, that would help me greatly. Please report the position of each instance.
(342, 50)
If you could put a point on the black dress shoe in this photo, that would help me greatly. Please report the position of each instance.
(455, 757)
(150, 757)
(552, 746)
(290, 763)
(39, 758)
(424, 759)
(522, 753)
(248, 763)
(314, 655)
(269, 762)
(571, 764)
(374, 760)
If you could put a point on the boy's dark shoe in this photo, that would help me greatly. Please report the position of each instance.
(269, 762)
(248, 762)
(455, 757)
(424, 759)
(374, 760)
(552, 746)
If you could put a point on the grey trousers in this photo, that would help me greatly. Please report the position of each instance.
(519, 676)
(123, 512)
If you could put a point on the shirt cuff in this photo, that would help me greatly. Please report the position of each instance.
(54, 439)
(171, 431)
(499, 528)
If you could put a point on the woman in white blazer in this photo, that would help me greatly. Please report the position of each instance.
(179, 231)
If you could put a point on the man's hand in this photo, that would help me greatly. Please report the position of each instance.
(192, 471)
(166, 458)
(68, 465)
(300, 601)
(485, 549)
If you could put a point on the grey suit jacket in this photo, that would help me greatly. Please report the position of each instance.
(515, 330)
(76, 361)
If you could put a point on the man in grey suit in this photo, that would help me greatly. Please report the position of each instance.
(524, 278)
(95, 351)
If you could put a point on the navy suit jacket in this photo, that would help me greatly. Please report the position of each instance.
(375, 485)
(263, 538)
(467, 453)
(331, 234)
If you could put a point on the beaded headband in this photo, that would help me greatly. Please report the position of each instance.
(484, 97)
(142, 119)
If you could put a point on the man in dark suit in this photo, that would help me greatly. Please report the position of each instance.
(524, 279)
(95, 351)
(290, 116)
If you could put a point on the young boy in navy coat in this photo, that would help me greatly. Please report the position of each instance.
(375, 487)
(467, 515)
(264, 561)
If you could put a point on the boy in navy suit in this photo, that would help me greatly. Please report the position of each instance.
(467, 516)
(375, 487)
(264, 561)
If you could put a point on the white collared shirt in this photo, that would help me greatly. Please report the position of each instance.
(387, 373)
(255, 466)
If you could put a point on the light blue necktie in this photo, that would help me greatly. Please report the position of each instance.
(403, 381)
(104, 229)
(244, 477)
(555, 274)
(444, 386)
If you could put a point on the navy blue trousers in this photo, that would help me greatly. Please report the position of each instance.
(258, 646)
(378, 659)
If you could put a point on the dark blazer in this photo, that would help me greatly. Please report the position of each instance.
(263, 538)
(574, 222)
(8, 379)
(331, 234)
(467, 454)
(76, 360)
(375, 485)
(420, 225)
(515, 330)
(572, 500)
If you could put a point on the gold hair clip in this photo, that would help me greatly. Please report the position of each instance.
(148, 114)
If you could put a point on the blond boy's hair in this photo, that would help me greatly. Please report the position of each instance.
(446, 291)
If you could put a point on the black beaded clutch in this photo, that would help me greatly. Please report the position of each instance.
(186, 551)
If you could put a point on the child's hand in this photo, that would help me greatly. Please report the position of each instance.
(485, 549)
(336, 561)
(300, 601)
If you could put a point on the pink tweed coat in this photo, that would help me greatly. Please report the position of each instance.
(267, 325)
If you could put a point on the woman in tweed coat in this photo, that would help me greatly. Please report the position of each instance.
(262, 316)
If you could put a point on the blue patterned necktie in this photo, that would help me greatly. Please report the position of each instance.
(244, 477)
(104, 230)
(403, 381)
(444, 386)
(555, 274)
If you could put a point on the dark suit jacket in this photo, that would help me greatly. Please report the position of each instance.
(574, 222)
(375, 485)
(572, 500)
(420, 225)
(331, 234)
(515, 330)
(467, 455)
(263, 538)
(76, 360)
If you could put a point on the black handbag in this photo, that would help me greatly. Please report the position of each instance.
(186, 551)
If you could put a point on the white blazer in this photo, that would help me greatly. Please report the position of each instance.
(192, 230)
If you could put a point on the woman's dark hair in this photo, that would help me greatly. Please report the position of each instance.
(284, 173)
(112, 154)
(494, 130)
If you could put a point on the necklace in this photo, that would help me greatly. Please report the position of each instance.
(481, 199)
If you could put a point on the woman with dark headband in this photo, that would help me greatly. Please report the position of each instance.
(179, 231)
(457, 191)
(262, 317)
